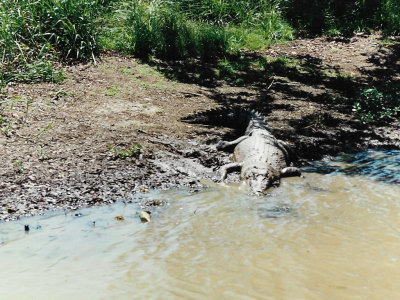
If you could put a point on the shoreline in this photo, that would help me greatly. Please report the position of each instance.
(69, 145)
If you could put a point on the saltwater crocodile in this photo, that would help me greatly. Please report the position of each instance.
(260, 157)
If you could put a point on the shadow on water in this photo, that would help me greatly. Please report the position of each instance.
(382, 165)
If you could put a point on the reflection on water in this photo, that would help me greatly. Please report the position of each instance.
(382, 165)
(325, 236)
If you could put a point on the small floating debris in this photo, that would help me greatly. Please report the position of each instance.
(145, 216)
(119, 218)
(11, 210)
(144, 190)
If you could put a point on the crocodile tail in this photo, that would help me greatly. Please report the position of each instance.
(255, 121)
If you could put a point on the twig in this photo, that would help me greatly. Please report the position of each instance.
(28, 138)
(272, 82)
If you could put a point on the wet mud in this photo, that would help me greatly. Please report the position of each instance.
(57, 140)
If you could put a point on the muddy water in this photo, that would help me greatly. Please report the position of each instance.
(334, 234)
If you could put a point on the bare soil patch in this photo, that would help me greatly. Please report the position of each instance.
(59, 146)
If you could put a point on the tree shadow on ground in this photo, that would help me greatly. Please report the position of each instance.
(386, 62)
(326, 123)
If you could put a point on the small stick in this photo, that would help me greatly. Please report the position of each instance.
(272, 82)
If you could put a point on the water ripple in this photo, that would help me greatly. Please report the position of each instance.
(382, 165)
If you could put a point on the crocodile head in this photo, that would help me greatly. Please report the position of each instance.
(259, 177)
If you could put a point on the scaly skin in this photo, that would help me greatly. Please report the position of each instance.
(261, 158)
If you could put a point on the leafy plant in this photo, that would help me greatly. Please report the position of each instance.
(391, 16)
(133, 151)
(373, 104)
(19, 167)
(4, 124)
(112, 91)
(43, 155)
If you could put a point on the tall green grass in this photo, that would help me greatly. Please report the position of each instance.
(249, 24)
(187, 28)
(238, 12)
(160, 30)
(34, 33)
(342, 16)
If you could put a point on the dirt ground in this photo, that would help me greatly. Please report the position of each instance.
(67, 145)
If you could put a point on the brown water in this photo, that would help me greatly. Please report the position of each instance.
(325, 236)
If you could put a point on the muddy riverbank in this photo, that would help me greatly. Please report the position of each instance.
(76, 143)
(222, 243)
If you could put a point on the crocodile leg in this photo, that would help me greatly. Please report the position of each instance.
(229, 168)
(288, 150)
(290, 171)
(224, 144)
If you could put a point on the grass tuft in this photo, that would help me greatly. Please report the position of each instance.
(134, 151)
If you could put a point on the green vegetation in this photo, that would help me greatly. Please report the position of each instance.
(133, 151)
(19, 167)
(4, 124)
(372, 104)
(164, 33)
(342, 16)
(112, 91)
(180, 29)
(36, 36)
(43, 155)
(7, 123)
(45, 129)
(391, 16)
